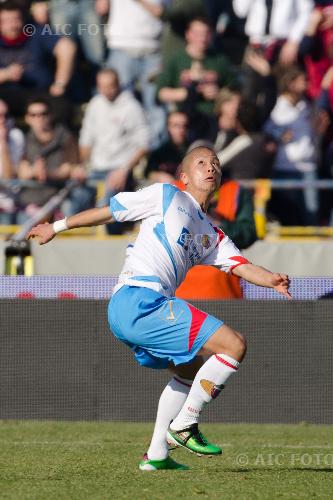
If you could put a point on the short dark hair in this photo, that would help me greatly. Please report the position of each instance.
(247, 116)
(200, 19)
(13, 5)
(285, 76)
(38, 100)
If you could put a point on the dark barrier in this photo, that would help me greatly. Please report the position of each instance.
(59, 361)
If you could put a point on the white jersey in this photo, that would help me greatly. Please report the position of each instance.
(175, 235)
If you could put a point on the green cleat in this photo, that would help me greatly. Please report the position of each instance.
(193, 440)
(164, 464)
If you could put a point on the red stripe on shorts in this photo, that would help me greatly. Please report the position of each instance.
(225, 362)
(198, 317)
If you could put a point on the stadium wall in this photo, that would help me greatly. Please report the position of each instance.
(58, 360)
(73, 256)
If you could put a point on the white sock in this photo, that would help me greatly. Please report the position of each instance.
(207, 385)
(171, 401)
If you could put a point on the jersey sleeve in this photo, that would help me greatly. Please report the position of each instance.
(225, 255)
(138, 205)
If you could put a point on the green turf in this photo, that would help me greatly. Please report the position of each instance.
(60, 460)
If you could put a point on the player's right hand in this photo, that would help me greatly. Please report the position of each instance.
(43, 232)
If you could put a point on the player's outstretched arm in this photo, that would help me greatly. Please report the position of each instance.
(262, 277)
(93, 217)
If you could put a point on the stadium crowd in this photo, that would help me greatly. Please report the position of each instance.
(116, 91)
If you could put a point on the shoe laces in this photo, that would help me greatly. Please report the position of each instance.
(200, 438)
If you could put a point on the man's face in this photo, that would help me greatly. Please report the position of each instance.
(177, 128)
(199, 35)
(107, 85)
(298, 86)
(11, 23)
(228, 112)
(38, 117)
(202, 172)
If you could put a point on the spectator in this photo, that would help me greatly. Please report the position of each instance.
(51, 158)
(275, 30)
(114, 136)
(317, 47)
(11, 151)
(275, 27)
(133, 36)
(291, 124)
(195, 74)
(226, 107)
(163, 162)
(249, 154)
(84, 25)
(25, 61)
(229, 34)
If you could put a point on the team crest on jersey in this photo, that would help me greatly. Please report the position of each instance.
(211, 389)
(205, 241)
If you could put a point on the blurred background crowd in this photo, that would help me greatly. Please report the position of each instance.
(114, 92)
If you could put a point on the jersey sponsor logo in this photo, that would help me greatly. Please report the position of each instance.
(187, 242)
(184, 211)
(184, 238)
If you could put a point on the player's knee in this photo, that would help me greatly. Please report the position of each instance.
(240, 345)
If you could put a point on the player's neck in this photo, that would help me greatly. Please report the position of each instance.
(202, 198)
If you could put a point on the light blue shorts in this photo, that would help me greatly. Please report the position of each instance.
(158, 329)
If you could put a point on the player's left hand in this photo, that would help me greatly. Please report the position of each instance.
(43, 232)
(281, 283)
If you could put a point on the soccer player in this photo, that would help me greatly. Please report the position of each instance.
(162, 330)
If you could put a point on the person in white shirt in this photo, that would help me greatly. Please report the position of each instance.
(273, 21)
(11, 152)
(114, 136)
(291, 124)
(162, 330)
(134, 31)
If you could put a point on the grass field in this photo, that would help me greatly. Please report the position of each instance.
(60, 460)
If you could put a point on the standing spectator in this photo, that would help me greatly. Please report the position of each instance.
(25, 68)
(114, 135)
(133, 37)
(275, 27)
(11, 151)
(291, 124)
(51, 158)
(196, 73)
(317, 47)
(84, 23)
(164, 161)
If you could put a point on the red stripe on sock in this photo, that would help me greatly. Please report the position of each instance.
(181, 382)
(198, 317)
(225, 362)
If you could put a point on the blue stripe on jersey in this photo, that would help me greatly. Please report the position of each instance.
(159, 231)
(169, 192)
(116, 206)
